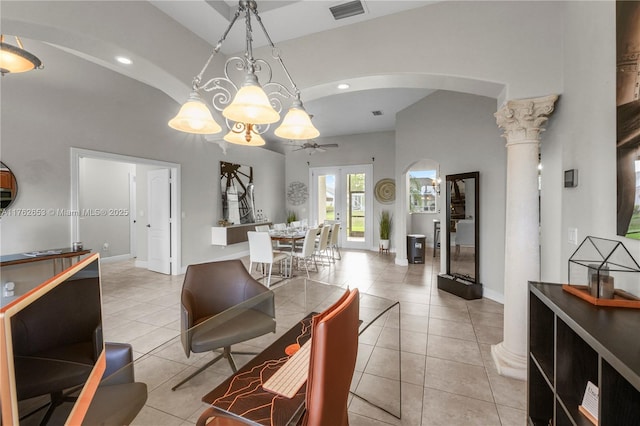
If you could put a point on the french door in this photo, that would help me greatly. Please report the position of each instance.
(344, 194)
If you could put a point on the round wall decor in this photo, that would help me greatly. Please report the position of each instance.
(297, 193)
(385, 191)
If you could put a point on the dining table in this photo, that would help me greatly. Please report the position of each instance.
(287, 239)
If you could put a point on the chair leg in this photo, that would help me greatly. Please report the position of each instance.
(306, 267)
(269, 276)
(338, 250)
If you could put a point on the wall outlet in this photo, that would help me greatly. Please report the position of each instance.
(9, 288)
(105, 247)
(573, 236)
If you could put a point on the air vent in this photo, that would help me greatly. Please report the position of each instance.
(346, 10)
(376, 113)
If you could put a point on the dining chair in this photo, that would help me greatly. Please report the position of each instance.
(261, 251)
(323, 243)
(279, 244)
(332, 361)
(262, 228)
(212, 290)
(333, 242)
(334, 349)
(306, 254)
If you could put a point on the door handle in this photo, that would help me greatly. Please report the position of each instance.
(148, 225)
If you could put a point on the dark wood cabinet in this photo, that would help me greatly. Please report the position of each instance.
(572, 342)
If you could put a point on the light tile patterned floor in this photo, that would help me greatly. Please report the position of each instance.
(448, 377)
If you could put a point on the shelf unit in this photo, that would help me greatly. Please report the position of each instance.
(232, 234)
(572, 342)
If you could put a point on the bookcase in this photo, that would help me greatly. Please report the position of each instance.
(571, 342)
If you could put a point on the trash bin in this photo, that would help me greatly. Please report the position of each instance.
(415, 248)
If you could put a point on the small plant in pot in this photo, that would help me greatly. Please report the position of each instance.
(385, 229)
(292, 217)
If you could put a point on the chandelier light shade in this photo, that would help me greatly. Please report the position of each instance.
(195, 117)
(297, 124)
(14, 59)
(251, 107)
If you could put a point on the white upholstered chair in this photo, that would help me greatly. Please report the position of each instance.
(306, 254)
(261, 251)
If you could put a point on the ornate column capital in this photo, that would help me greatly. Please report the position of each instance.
(522, 119)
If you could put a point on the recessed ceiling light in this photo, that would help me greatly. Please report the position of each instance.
(124, 60)
(343, 86)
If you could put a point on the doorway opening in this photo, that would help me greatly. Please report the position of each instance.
(344, 195)
(147, 227)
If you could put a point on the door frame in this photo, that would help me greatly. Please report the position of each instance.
(341, 172)
(78, 153)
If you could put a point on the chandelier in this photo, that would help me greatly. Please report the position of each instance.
(14, 59)
(250, 107)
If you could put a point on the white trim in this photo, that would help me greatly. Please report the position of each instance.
(402, 262)
(238, 255)
(493, 295)
(176, 230)
(140, 264)
(133, 214)
(340, 208)
(114, 259)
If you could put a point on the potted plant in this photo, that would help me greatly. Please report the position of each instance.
(292, 217)
(385, 229)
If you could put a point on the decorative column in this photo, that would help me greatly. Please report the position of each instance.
(522, 122)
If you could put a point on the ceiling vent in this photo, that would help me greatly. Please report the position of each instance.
(346, 10)
(376, 113)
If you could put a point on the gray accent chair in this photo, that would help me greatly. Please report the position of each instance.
(222, 305)
(119, 398)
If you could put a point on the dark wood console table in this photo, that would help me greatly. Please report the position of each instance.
(55, 255)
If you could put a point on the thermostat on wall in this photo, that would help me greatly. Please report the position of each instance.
(571, 178)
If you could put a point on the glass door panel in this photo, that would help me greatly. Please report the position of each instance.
(356, 207)
(345, 195)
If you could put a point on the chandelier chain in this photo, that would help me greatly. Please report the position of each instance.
(198, 78)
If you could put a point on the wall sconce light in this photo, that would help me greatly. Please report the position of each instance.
(436, 185)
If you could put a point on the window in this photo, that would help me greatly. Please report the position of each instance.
(422, 191)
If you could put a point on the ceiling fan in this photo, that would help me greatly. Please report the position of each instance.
(315, 147)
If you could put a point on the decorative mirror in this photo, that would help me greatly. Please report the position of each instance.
(8, 187)
(463, 236)
(236, 187)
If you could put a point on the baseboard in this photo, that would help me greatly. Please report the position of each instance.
(493, 295)
(113, 259)
(236, 255)
(141, 264)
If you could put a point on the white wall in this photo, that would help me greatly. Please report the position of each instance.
(44, 113)
(513, 43)
(104, 187)
(366, 148)
(582, 135)
(458, 131)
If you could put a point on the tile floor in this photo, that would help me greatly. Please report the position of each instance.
(448, 377)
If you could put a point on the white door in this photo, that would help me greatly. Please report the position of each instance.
(344, 194)
(133, 211)
(159, 221)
